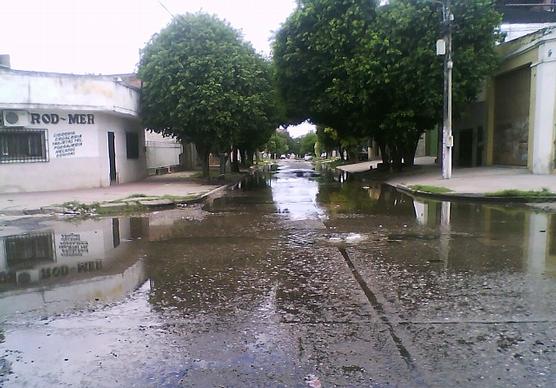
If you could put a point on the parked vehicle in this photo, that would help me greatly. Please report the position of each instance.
(307, 157)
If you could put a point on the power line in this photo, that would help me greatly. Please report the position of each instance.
(165, 8)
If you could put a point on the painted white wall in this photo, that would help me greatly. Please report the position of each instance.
(161, 151)
(115, 108)
(127, 170)
(88, 167)
(36, 90)
(545, 102)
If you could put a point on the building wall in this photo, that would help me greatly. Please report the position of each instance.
(75, 113)
(519, 109)
(511, 117)
(469, 136)
(36, 90)
(161, 151)
(81, 164)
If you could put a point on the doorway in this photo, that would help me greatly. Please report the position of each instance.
(112, 157)
(465, 148)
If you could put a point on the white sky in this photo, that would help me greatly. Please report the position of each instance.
(104, 36)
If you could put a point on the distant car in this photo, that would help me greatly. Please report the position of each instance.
(282, 156)
(307, 157)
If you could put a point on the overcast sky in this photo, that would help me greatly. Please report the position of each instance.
(104, 36)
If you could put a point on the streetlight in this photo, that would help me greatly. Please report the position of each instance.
(444, 47)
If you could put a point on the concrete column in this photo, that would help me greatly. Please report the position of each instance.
(545, 99)
(537, 242)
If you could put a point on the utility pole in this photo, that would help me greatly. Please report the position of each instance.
(447, 138)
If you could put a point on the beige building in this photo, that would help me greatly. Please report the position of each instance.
(512, 123)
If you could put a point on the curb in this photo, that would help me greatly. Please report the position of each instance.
(474, 197)
(48, 210)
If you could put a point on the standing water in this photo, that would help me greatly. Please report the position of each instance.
(292, 279)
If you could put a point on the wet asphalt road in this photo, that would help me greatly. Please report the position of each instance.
(292, 279)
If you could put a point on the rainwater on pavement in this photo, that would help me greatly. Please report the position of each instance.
(294, 278)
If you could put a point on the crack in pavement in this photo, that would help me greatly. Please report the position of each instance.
(377, 306)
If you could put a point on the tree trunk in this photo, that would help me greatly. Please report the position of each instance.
(352, 154)
(409, 150)
(223, 160)
(384, 153)
(249, 156)
(235, 161)
(397, 158)
(245, 161)
(204, 152)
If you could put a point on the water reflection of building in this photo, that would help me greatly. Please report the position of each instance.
(492, 236)
(68, 262)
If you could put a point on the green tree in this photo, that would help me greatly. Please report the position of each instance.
(328, 139)
(408, 76)
(202, 83)
(263, 105)
(307, 143)
(371, 71)
(311, 52)
(278, 143)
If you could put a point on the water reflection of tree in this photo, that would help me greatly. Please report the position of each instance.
(351, 197)
(252, 191)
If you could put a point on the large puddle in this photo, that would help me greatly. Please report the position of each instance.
(291, 279)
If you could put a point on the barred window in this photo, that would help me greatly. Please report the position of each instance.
(23, 145)
(26, 250)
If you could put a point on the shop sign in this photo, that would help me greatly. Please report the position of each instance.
(70, 118)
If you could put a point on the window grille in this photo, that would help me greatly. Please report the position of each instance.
(29, 249)
(23, 145)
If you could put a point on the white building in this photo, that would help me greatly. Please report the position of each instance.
(64, 131)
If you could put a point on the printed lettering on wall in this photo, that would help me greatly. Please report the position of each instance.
(65, 143)
(71, 245)
(54, 118)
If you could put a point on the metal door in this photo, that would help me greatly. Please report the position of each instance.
(112, 156)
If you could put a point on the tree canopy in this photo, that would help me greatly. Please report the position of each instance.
(307, 143)
(203, 83)
(311, 52)
(371, 70)
(279, 143)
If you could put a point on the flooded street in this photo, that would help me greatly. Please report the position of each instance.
(291, 279)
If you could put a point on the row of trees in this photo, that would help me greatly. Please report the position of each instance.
(366, 70)
(355, 68)
(282, 143)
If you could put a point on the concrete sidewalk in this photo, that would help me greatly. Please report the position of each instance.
(465, 181)
(481, 180)
(176, 185)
